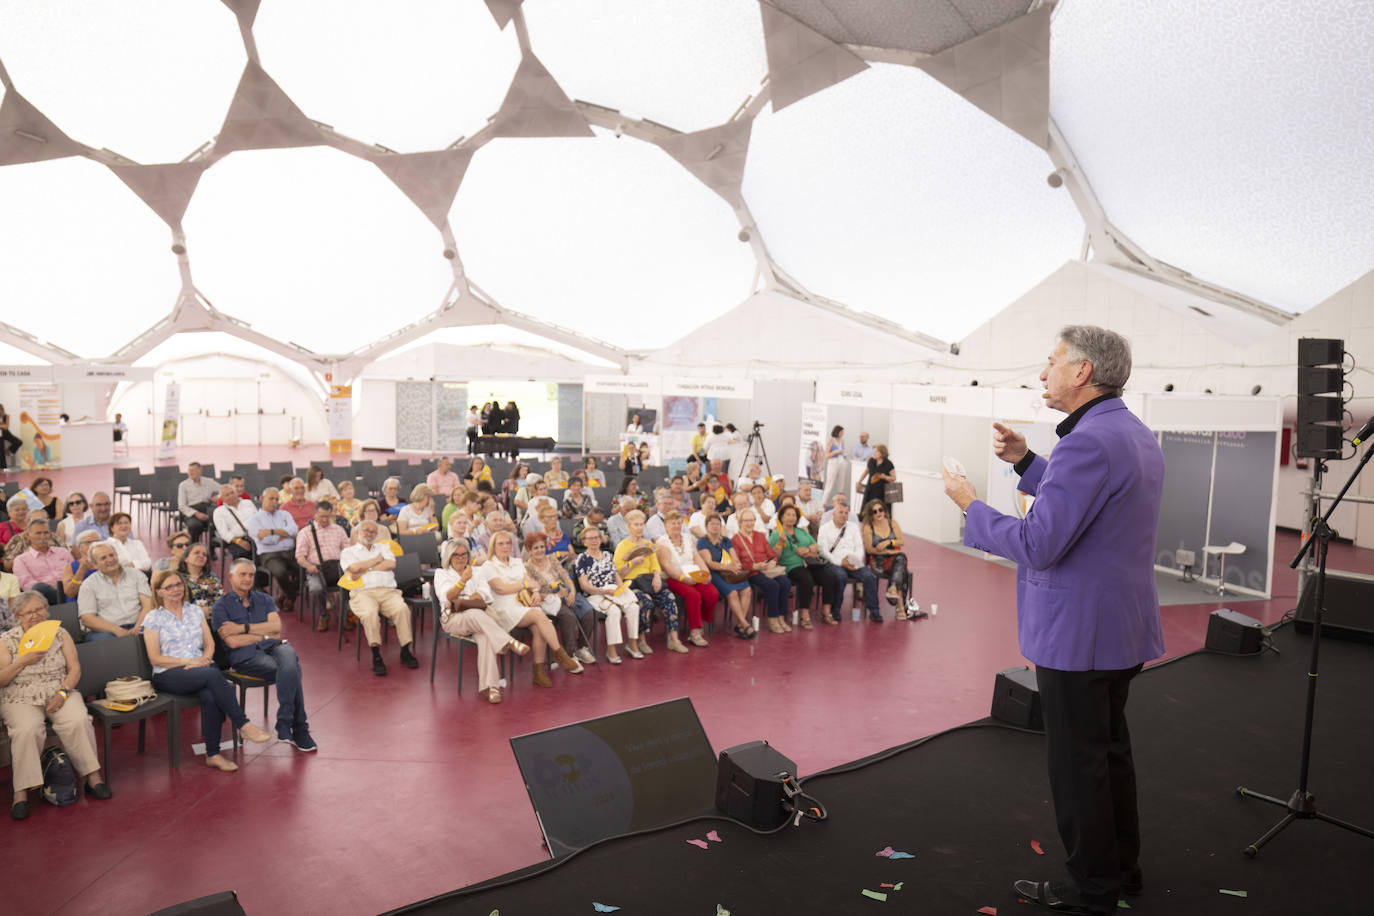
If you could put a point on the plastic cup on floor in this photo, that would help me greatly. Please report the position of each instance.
(854, 615)
(796, 615)
(756, 622)
(934, 609)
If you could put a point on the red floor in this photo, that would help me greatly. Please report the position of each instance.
(414, 790)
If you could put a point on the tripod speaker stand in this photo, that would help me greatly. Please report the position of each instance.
(1302, 803)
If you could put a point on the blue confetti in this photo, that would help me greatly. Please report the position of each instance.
(603, 908)
(901, 855)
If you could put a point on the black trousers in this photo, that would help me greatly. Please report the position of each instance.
(194, 526)
(281, 565)
(1092, 779)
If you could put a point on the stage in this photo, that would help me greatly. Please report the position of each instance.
(970, 805)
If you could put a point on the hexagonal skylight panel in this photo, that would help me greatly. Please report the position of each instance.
(607, 236)
(85, 263)
(687, 65)
(413, 75)
(1230, 140)
(313, 246)
(893, 195)
(150, 80)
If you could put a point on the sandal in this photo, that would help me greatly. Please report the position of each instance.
(697, 639)
(774, 626)
(806, 622)
(493, 695)
(830, 621)
(518, 647)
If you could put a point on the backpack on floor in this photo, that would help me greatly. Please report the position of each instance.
(59, 779)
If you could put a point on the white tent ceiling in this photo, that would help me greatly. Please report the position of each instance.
(1212, 150)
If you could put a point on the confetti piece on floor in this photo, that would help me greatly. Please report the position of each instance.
(901, 855)
(1223, 890)
(1035, 844)
(884, 852)
(714, 837)
(721, 911)
(874, 894)
(1122, 905)
(988, 910)
(701, 843)
(604, 908)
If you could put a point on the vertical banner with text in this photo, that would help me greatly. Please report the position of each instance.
(171, 420)
(40, 409)
(340, 418)
(811, 459)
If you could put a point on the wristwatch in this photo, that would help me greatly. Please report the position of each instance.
(246, 629)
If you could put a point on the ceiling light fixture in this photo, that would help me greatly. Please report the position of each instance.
(1056, 178)
(29, 135)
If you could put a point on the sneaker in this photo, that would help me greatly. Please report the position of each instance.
(585, 656)
(284, 733)
(302, 741)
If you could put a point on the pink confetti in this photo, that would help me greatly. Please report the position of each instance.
(714, 837)
(1035, 844)
(884, 852)
(701, 843)
(988, 910)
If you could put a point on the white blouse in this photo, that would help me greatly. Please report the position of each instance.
(132, 552)
(685, 551)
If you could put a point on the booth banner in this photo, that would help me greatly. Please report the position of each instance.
(872, 395)
(968, 400)
(101, 373)
(171, 419)
(740, 389)
(340, 411)
(647, 387)
(635, 440)
(26, 373)
(811, 457)
(40, 410)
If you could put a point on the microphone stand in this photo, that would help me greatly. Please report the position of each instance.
(1302, 803)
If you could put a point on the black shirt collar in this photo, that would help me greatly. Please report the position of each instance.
(1066, 427)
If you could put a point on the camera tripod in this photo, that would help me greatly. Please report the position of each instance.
(756, 439)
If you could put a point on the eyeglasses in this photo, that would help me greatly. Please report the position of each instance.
(76, 502)
(879, 512)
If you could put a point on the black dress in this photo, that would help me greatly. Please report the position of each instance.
(877, 490)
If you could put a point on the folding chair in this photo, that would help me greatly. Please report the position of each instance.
(103, 661)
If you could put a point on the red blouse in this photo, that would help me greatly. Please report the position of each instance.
(755, 550)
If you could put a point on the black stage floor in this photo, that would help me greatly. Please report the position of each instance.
(969, 804)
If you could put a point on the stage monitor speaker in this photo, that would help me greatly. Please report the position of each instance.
(1232, 632)
(1016, 699)
(617, 774)
(749, 784)
(225, 903)
(1320, 351)
(1349, 607)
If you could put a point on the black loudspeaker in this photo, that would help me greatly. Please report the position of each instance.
(749, 784)
(1016, 699)
(225, 903)
(1321, 384)
(1229, 631)
(1349, 607)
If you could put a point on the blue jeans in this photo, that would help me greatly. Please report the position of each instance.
(865, 576)
(217, 699)
(775, 592)
(280, 665)
(94, 635)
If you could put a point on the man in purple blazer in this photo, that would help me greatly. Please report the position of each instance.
(1087, 610)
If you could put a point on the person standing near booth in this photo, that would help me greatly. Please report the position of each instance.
(1087, 608)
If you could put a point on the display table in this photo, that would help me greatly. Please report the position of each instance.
(503, 445)
(87, 443)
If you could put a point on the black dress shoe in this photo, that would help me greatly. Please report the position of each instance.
(378, 666)
(19, 811)
(408, 658)
(99, 790)
(1048, 895)
(1132, 881)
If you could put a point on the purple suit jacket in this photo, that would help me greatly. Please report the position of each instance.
(1085, 577)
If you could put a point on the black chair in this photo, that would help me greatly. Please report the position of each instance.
(408, 575)
(463, 642)
(246, 682)
(276, 470)
(103, 661)
(421, 545)
(440, 501)
(70, 616)
(123, 481)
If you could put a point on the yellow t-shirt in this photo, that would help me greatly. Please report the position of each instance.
(645, 566)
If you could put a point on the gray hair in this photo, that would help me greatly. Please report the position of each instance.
(94, 547)
(243, 561)
(273, 490)
(25, 597)
(90, 534)
(1108, 351)
(17, 500)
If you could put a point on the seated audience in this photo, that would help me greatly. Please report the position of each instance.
(559, 545)
(442, 479)
(513, 494)
(318, 487)
(40, 567)
(196, 499)
(417, 516)
(630, 487)
(763, 505)
(390, 501)
(795, 546)
(39, 495)
(609, 594)
(595, 518)
(515, 604)
(12, 532)
(9, 591)
(756, 557)
(301, 509)
(478, 470)
(717, 482)
(76, 513)
(99, 519)
(697, 523)
(231, 522)
(637, 562)
(677, 556)
(463, 612)
(248, 624)
(182, 652)
(274, 532)
(319, 545)
(557, 598)
(82, 564)
(177, 542)
(538, 499)
(371, 511)
(577, 502)
(131, 551)
(884, 543)
(348, 505)
(555, 476)
(715, 552)
(842, 546)
(739, 501)
(682, 500)
(204, 587)
(654, 527)
(616, 523)
(372, 561)
(594, 477)
(114, 599)
(808, 502)
(38, 688)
